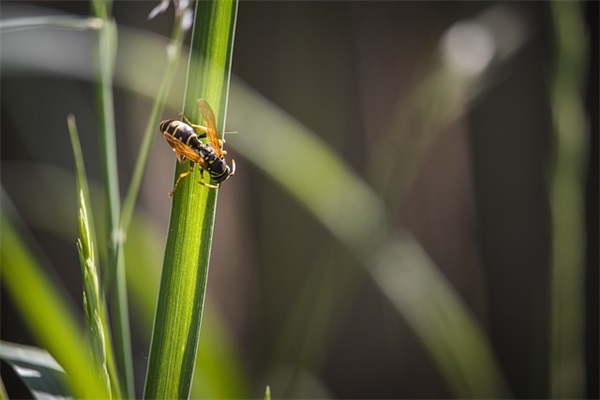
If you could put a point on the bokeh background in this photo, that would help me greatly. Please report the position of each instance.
(445, 117)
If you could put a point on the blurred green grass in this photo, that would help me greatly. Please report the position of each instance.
(318, 178)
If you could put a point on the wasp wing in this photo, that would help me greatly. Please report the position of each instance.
(181, 149)
(211, 125)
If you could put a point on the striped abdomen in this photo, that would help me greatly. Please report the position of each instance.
(215, 165)
(182, 132)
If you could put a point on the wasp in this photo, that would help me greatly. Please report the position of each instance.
(184, 137)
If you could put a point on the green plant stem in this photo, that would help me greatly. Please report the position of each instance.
(185, 270)
(567, 368)
(116, 265)
(173, 53)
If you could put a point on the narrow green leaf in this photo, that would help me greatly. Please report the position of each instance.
(267, 393)
(571, 138)
(356, 216)
(173, 51)
(185, 269)
(226, 377)
(106, 50)
(46, 313)
(93, 296)
(439, 317)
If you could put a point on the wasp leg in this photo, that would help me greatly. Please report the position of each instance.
(205, 184)
(197, 128)
(208, 185)
(221, 143)
(182, 175)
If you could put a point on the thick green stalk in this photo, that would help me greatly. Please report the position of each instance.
(185, 269)
(107, 38)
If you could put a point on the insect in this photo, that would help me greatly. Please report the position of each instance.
(184, 137)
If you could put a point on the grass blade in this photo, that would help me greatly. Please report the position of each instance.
(46, 311)
(93, 297)
(567, 364)
(185, 269)
(394, 260)
(173, 55)
(107, 38)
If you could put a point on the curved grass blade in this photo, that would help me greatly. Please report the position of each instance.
(226, 378)
(356, 216)
(185, 269)
(45, 312)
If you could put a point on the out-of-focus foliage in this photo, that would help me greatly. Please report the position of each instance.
(387, 231)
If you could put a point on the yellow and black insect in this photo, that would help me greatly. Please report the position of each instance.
(183, 137)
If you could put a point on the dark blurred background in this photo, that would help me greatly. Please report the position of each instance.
(473, 187)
